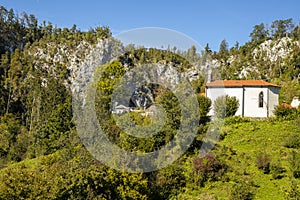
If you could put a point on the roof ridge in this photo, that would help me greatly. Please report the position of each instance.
(239, 83)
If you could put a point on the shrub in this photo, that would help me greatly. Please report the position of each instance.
(277, 170)
(293, 190)
(225, 106)
(263, 162)
(284, 111)
(297, 120)
(194, 195)
(236, 120)
(294, 161)
(204, 107)
(167, 182)
(208, 168)
(241, 191)
(14, 139)
(292, 141)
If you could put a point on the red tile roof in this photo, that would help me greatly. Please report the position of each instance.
(286, 105)
(239, 83)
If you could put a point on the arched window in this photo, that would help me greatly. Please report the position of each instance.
(261, 100)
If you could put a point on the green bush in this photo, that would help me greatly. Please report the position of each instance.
(292, 141)
(294, 161)
(14, 138)
(167, 182)
(263, 162)
(204, 107)
(190, 194)
(284, 111)
(241, 191)
(292, 191)
(77, 178)
(277, 170)
(225, 106)
(236, 120)
(208, 168)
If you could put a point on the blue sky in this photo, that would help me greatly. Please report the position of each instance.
(204, 21)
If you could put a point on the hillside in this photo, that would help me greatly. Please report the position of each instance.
(245, 146)
(261, 162)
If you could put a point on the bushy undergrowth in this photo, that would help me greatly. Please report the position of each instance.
(208, 168)
(263, 162)
(286, 112)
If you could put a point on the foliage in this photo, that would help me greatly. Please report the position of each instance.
(267, 137)
(198, 84)
(294, 161)
(138, 56)
(194, 195)
(277, 170)
(204, 107)
(263, 162)
(41, 156)
(241, 191)
(259, 33)
(236, 120)
(14, 139)
(292, 141)
(77, 177)
(284, 111)
(223, 51)
(207, 168)
(168, 182)
(225, 106)
(293, 190)
(281, 27)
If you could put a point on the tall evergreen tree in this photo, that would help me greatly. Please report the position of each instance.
(259, 33)
(223, 50)
(281, 27)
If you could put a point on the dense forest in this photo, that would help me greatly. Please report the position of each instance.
(42, 156)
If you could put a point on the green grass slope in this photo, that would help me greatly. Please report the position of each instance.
(250, 140)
